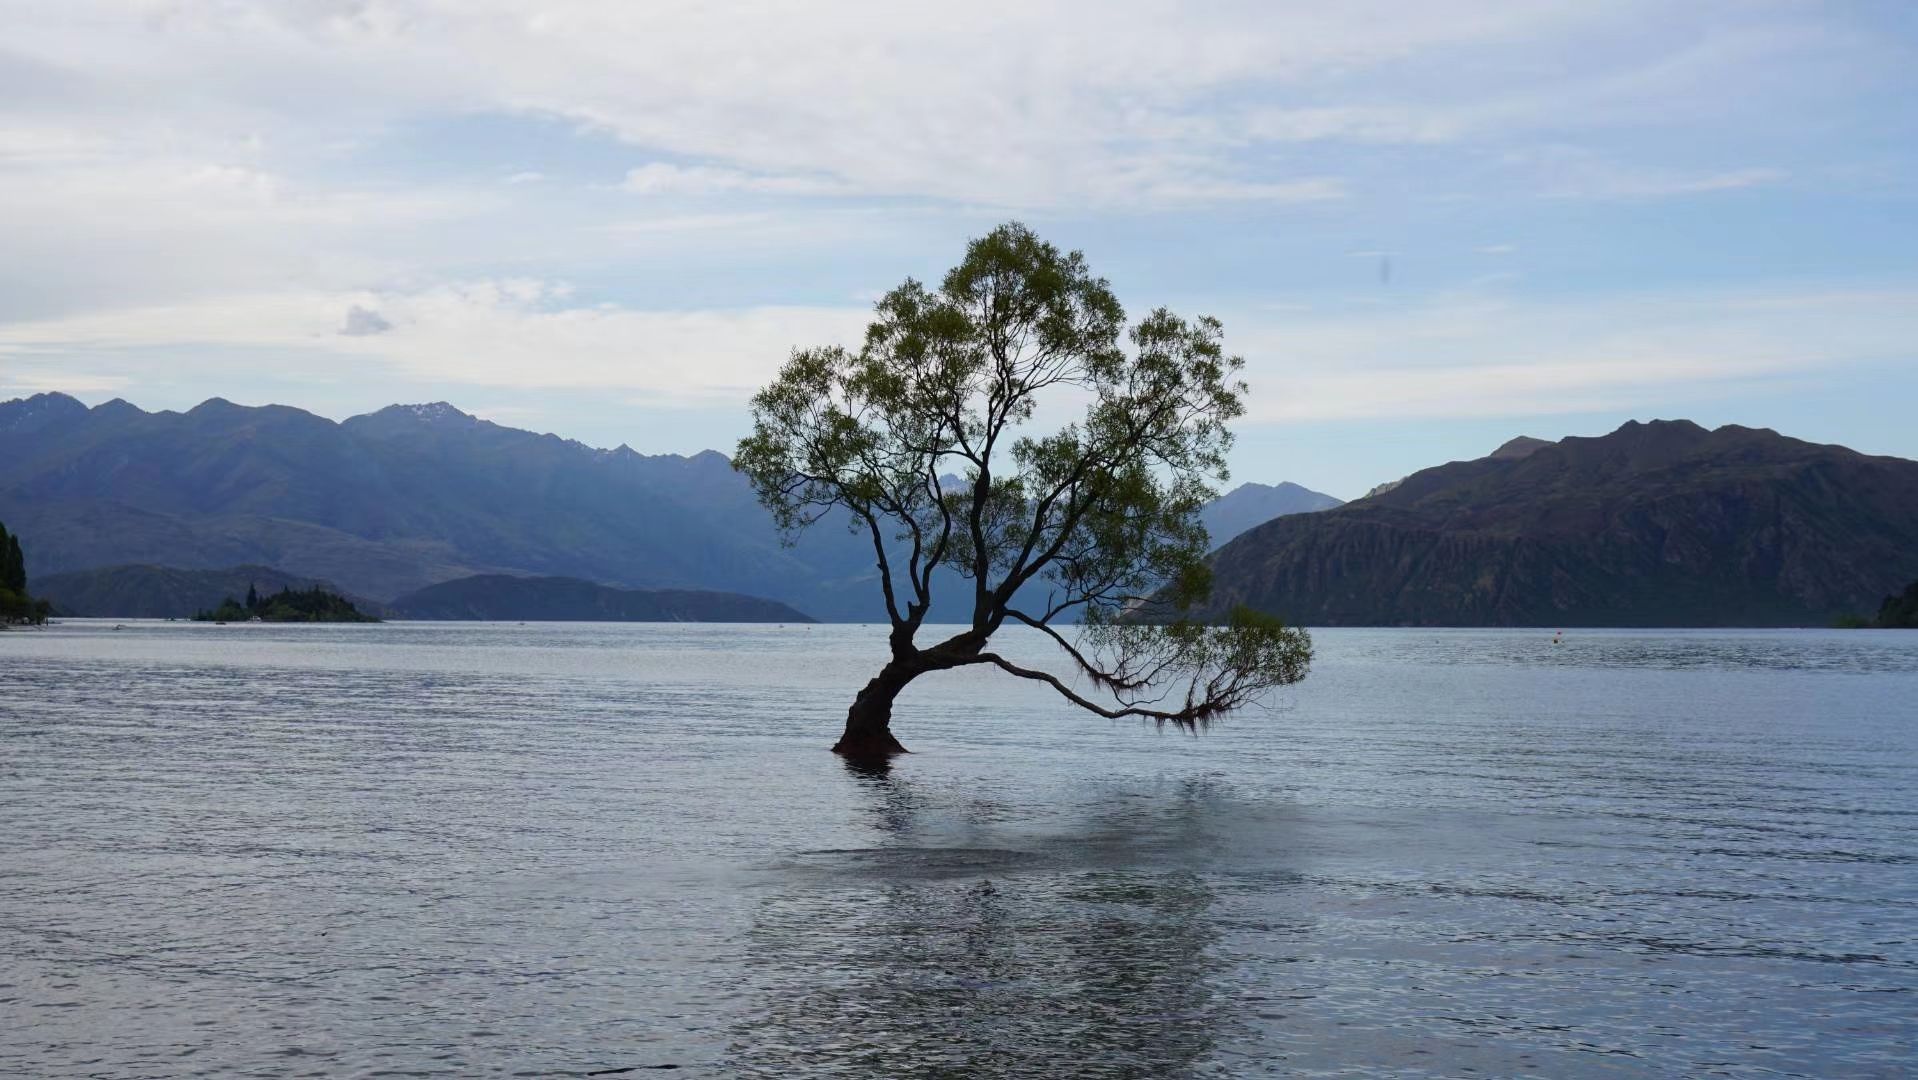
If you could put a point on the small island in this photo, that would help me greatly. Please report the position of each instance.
(306, 605)
(17, 606)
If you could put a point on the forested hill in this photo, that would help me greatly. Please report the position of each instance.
(1656, 524)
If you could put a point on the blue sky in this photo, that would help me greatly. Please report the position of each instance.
(1427, 227)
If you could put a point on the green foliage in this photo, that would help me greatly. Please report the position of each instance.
(305, 605)
(13, 563)
(1095, 514)
(1899, 612)
(16, 604)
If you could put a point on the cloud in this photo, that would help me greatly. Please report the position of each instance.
(1440, 356)
(30, 380)
(516, 333)
(660, 178)
(1363, 124)
(364, 322)
(1484, 356)
(1204, 190)
(1000, 102)
(1568, 172)
(1659, 183)
(248, 176)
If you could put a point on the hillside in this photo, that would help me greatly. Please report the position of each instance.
(559, 599)
(392, 501)
(1658, 524)
(163, 592)
(1251, 505)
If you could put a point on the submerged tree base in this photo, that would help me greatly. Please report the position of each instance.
(868, 746)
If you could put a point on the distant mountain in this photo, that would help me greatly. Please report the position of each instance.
(395, 500)
(1255, 504)
(411, 495)
(561, 599)
(162, 592)
(1658, 524)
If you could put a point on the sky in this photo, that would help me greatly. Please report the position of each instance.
(1426, 227)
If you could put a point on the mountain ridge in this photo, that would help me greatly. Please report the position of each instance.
(1661, 523)
(1252, 504)
(387, 502)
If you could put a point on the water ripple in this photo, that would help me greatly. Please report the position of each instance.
(450, 851)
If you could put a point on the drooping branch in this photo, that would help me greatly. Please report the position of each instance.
(1221, 668)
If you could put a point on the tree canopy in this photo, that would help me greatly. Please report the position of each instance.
(1899, 611)
(16, 605)
(306, 605)
(941, 438)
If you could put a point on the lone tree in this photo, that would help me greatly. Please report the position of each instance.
(1095, 519)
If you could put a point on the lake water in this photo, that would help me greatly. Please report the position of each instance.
(574, 850)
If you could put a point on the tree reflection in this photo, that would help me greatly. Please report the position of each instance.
(1088, 956)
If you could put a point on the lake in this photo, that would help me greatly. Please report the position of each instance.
(421, 849)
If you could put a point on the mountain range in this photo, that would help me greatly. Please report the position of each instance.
(1250, 505)
(393, 501)
(1656, 524)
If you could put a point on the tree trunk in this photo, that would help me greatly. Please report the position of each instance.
(869, 722)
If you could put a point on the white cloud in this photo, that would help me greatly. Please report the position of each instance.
(1569, 172)
(660, 178)
(1005, 102)
(501, 334)
(1364, 124)
(1458, 357)
(28, 381)
(1461, 356)
(1202, 190)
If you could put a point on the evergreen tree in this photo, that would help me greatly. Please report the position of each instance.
(13, 564)
(16, 566)
(252, 597)
(15, 604)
